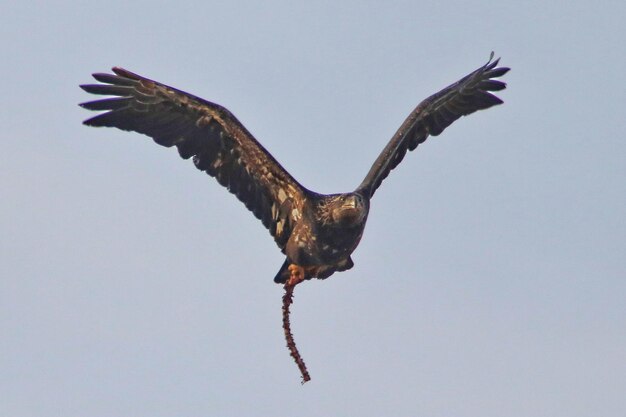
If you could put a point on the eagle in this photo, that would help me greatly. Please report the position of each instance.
(316, 232)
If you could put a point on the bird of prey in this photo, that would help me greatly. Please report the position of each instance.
(317, 233)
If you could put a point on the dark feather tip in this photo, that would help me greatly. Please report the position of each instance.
(114, 103)
(107, 89)
(125, 73)
(492, 85)
(112, 79)
(498, 72)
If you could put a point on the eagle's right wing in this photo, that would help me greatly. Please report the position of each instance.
(219, 144)
(433, 115)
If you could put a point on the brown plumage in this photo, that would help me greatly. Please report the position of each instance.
(221, 146)
(316, 232)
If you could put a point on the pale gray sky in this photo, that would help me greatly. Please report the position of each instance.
(489, 282)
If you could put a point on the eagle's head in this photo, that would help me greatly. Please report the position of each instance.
(347, 209)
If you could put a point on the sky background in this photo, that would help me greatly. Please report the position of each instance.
(490, 279)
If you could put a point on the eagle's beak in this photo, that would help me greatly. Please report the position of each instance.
(350, 202)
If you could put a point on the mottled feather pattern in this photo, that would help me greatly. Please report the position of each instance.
(218, 143)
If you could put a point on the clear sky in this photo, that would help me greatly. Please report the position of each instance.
(491, 277)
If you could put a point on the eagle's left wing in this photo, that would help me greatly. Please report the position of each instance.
(433, 115)
(219, 144)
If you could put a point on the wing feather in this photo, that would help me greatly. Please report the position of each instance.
(218, 143)
(433, 115)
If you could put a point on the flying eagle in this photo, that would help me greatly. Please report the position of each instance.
(316, 232)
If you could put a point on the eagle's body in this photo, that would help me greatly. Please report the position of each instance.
(317, 233)
(331, 229)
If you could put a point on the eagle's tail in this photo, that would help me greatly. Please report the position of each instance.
(283, 274)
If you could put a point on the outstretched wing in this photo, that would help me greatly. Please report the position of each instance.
(433, 115)
(219, 144)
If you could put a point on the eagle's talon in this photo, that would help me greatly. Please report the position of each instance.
(296, 275)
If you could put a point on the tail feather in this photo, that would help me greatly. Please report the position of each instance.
(283, 274)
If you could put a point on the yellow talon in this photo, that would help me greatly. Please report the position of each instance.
(296, 275)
